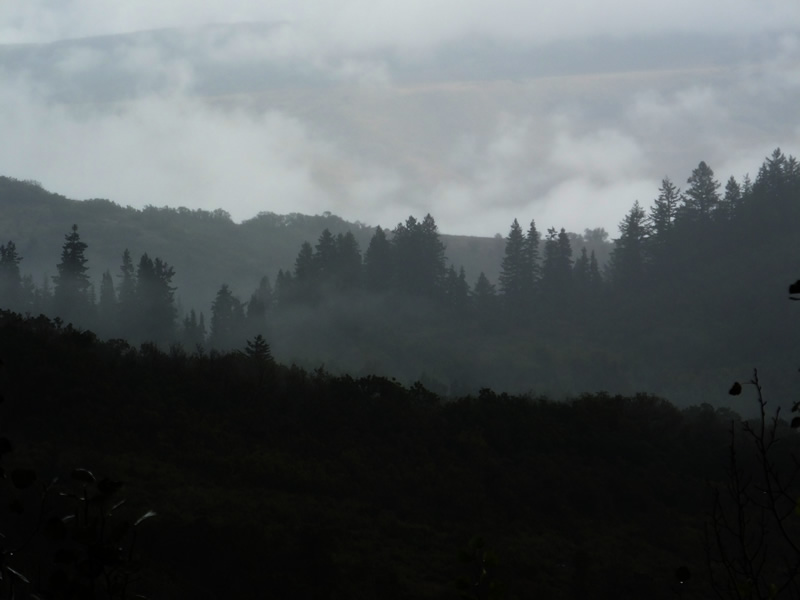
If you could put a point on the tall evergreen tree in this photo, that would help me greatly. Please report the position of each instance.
(628, 259)
(260, 302)
(324, 257)
(581, 273)
(378, 262)
(126, 296)
(701, 198)
(731, 201)
(664, 211)
(515, 271)
(155, 300)
(418, 253)
(456, 289)
(11, 289)
(227, 320)
(484, 296)
(532, 241)
(194, 331)
(107, 311)
(348, 261)
(71, 291)
(595, 278)
(557, 269)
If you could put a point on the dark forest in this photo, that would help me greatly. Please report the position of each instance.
(375, 419)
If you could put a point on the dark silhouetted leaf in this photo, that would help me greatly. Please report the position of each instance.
(795, 422)
(17, 574)
(795, 287)
(145, 516)
(736, 389)
(84, 475)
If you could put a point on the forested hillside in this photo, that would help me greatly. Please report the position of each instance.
(272, 482)
(686, 301)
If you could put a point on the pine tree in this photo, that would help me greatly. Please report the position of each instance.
(127, 305)
(532, 241)
(11, 289)
(71, 292)
(227, 319)
(260, 302)
(348, 262)
(378, 262)
(515, 268)
(260, 355)
(155, 300)
(456, 289)
(419, 261)
(581, 273)
(628, 259)
(259, 351)
(595, 278)
(194, 331)
(107, 310)
(664, 211)
(324, 257)
(484, 296)
(557, 269)
(701, 198)
(731, 201)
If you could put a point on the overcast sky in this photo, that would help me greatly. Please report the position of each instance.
(561, 111)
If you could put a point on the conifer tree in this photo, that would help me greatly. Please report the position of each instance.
(260, 302)
(126, 298)
(194, 331)
(664, 211)
(419, 261)
(557, 269)
(701, 198)
(378, 262)
(628, 259)
(532, 241)
(227, 319)
(11, 289)
(348, 262)
(155, 300)
(324, 257)
(71, 291)
(595, 278)
(484, 296)
(456, 289)
(284, 289)
(731, 201)
(107, 310)
(515, 268)
(304, 264)
(581, 273)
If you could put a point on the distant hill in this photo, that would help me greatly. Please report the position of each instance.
(206, 248)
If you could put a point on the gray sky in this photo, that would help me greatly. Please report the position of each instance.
(478, 112)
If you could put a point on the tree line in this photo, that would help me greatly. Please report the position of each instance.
(684, 240)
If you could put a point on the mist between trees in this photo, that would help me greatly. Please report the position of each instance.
(675, 307)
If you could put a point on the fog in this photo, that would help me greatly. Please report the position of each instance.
(374, 112)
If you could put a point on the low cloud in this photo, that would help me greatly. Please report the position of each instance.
(145, 120)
